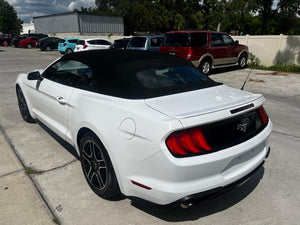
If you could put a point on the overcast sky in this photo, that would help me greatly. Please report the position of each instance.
(27, 9)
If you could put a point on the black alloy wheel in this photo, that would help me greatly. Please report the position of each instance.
(97, 167)
(23, 107)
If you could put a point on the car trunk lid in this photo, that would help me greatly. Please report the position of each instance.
(200, 102)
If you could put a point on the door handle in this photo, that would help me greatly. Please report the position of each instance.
(61, 100)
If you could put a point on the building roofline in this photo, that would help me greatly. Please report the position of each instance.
(70, 13)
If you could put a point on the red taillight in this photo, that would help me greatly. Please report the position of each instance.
(40, 43)
(64, 44)
(188, 142)
(263, 115)
(190, 53)
(85, 46)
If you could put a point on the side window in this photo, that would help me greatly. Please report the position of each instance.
(103, 42)
(92, 42)
(216, 40)
(155, 42)
(227, 40)
(198, 39)
(71, 73)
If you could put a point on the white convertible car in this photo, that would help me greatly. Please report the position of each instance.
(148, 125)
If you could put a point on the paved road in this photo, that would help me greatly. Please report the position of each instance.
(59, 189)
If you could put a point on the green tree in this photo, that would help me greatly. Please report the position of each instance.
(288, 21)
(9, 22)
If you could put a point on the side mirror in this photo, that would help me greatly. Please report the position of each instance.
(236, 43)
(35, 75)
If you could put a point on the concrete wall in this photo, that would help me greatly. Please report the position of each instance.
(273, 49)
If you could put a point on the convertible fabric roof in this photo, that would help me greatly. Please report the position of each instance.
(115, 71)
(131, 60)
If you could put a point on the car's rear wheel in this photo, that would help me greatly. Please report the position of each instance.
(23, 107)
(29, 46)
(48, 48)
(243, 61)
(205, 67)
(97, 167)
(69, 51)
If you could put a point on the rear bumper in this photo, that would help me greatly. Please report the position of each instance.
(195, 199)
(189, 179)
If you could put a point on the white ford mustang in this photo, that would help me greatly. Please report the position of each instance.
(148, 125)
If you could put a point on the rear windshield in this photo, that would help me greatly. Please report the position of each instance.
(137, 42)
(72, 41)
(119, 43)
(154, 82)
(169, 77)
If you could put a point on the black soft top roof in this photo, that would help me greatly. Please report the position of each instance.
(132, 60)
(115, 71)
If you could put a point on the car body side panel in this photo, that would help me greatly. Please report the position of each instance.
(46, 105)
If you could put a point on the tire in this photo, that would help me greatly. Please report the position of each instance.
(28, 46)
(69, 51)
(23, 107)
(97, 167)
(243, 61)
(205, 67)
(48, 48)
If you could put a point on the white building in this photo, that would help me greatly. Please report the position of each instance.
(28, 28)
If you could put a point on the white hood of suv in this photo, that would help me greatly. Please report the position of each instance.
(199, 102)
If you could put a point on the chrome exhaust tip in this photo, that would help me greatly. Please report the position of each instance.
(186, 205)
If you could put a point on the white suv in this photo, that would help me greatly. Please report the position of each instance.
(91, 44)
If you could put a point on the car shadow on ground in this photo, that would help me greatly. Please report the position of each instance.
(62, 142)
(205, 208)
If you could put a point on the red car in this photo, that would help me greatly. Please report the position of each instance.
(205, 49)
(29, 42)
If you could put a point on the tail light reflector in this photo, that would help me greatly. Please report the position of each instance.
(190, 53)
(40, 43)
(263, 115)
(64, 44)
(85, 46)
(187, 142)
(141, 185)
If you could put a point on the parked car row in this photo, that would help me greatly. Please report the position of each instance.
(205, 49)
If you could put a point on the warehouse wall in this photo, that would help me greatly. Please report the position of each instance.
(60, 23)
(273, 49)
(104, 25)
(82, 23)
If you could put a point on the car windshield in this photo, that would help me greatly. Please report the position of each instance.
(176, 40)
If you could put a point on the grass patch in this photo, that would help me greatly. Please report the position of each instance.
(289, 68)
(30, 170)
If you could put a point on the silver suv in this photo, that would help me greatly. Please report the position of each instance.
(150, 43)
